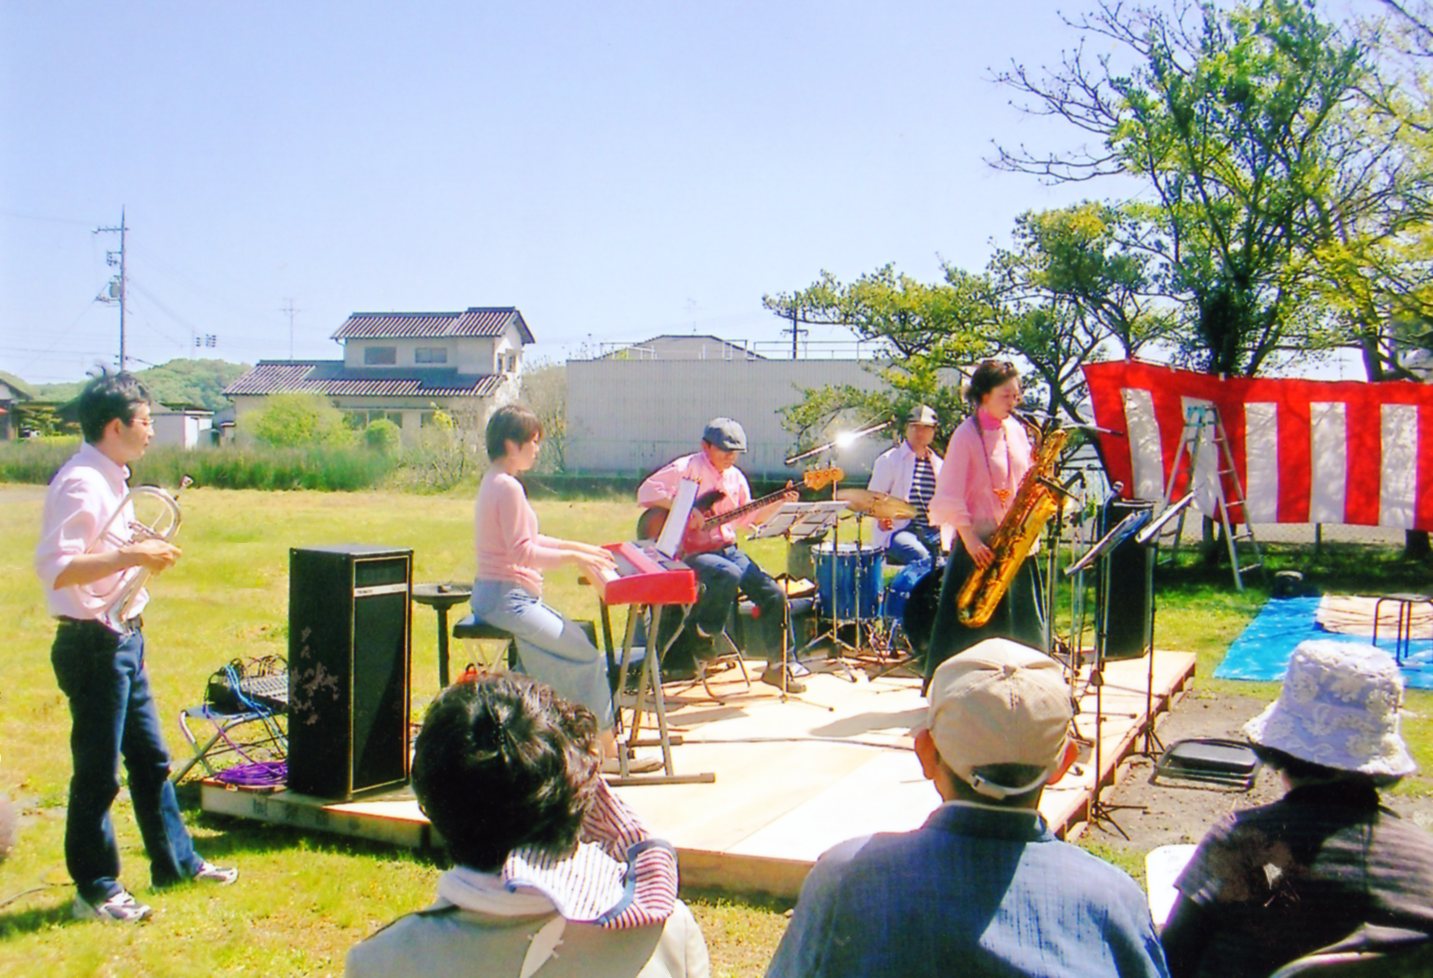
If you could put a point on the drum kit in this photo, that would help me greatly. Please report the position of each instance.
(852, 594)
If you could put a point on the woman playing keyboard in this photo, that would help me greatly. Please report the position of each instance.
(512, 555)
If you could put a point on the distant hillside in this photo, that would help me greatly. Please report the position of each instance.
(198, 382)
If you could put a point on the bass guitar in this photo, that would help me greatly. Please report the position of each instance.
(650, 523)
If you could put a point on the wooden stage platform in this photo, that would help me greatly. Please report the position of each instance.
(792, 778)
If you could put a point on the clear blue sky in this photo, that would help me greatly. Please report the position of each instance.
(614, 170)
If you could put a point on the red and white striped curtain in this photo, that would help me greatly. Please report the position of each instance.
(1305, 451)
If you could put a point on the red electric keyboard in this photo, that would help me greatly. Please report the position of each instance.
(645, 575)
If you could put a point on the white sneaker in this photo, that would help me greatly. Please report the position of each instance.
(221, 875)
(121, 908)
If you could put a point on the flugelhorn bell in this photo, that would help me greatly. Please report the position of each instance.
(145, 513)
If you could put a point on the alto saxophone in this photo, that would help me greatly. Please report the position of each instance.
(1038, 498)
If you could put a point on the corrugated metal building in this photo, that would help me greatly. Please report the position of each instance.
(635, 409)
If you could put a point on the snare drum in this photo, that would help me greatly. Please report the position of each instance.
(851, 562)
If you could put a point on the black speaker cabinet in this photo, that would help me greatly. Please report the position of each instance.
(1127, 633)
(349, 642)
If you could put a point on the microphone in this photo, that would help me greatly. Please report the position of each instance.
(1103, 431)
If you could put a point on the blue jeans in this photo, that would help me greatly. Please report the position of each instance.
(908, 546)
(550, 648)
(112, 714)
(721, 573)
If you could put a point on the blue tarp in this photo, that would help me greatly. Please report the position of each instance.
(1262, 651)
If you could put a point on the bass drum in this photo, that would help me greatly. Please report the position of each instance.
(918, 619)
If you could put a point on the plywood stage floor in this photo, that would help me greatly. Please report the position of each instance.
(792, 778)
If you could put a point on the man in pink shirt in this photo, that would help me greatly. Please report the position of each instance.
(711, 551)
(99, 659)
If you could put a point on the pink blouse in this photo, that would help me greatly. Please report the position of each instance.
(977, 462)
(505, 533)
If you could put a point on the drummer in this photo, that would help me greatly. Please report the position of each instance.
(908, 472)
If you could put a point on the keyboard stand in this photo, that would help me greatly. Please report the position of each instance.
(650, 682)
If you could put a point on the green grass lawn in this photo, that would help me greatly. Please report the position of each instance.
(303, 900)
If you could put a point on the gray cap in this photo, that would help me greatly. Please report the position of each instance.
(726, 434)
(923, 414)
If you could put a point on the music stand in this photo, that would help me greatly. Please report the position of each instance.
(797, 521)
(1149, 536)
(1099, 550)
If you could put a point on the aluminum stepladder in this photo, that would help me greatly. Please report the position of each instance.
(1198, 419)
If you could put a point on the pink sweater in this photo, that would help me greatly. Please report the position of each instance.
(505, 533)
(978, 462)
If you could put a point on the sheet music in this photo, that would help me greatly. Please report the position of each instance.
(801, 520)
(675, 528)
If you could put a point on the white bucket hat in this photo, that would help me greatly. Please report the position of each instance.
(1338, 709)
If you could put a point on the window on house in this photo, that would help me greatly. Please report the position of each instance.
(380, 356)
(509, 363)
(430, 354)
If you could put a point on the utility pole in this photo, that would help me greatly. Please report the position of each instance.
(795, 331)
(288, 307)
(117, 286)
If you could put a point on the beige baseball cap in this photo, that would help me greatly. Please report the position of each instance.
(999, 702)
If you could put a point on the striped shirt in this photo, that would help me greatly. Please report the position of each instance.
(922, 488)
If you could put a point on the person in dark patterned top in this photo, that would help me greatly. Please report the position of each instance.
(1327, 863)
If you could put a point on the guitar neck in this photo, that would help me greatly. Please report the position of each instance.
(712, 522)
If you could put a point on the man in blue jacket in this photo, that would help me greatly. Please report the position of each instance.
(983, 888)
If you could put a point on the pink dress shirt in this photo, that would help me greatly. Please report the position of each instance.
(977, 462)
(505, 534)
(80, 500)
(736, 492)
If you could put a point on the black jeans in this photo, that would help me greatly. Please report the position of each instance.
(112, 714)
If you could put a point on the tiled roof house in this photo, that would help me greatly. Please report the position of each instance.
(402, 365)
(13, 390)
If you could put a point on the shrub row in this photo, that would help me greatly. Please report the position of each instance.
(331, 469)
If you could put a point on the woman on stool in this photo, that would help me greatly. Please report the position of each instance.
(512, 555)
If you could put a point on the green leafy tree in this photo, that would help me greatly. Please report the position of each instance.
(298, 419)
(1073, 288)
(1237, 126)
(196, 382)
(190, 382)
(544, 390)
(1070, 289)
(921, 329)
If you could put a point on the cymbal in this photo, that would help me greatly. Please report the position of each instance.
(879, 505)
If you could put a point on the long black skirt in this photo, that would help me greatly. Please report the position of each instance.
(1018, 616)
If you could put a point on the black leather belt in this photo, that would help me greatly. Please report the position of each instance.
(66, 621)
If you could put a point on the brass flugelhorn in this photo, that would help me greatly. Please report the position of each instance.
(156, 516)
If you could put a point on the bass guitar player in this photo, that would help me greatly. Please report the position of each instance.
(709, 546)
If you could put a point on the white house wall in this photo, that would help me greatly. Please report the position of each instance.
(630, 416)
(469, 354)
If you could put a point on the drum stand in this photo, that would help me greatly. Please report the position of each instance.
(837, 642)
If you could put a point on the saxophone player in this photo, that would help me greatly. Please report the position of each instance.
(988, 456)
